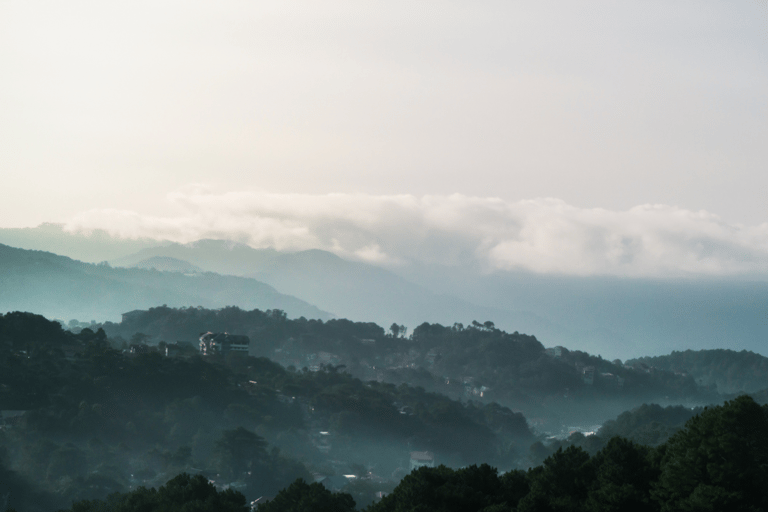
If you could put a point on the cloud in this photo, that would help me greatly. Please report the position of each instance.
(541, 235)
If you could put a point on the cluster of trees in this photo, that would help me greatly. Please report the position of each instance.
(729, 371)
(103, 421)
(181, 494)
(268, 329)
(514, 367)
(649, 425)
(31, 333)
(106, 420)
(515, 364)
(373, 413)
(719, 461)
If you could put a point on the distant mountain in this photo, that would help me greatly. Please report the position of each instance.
(221, 256)
(730, 371)
(92, 247)
(60, 287)
(617, 316)
(348, 289)
(610, 316)
(167, 264)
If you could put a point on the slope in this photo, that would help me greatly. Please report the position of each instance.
(730, 371)
(91, 247)
(346, 288)
(61, 287)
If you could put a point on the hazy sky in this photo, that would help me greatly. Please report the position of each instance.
(609, 109)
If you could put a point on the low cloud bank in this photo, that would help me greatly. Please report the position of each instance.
(540, 235)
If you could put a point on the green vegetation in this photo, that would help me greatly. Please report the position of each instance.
(103, 428)
(719, 461)
(97, 420)
(477, 361)
(300, 496)
(650, 424)
(727, 370)
(181, 494)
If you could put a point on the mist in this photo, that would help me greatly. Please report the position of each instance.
(383, 256)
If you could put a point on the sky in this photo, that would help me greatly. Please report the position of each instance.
(589, 137)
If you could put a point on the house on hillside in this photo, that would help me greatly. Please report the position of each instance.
(222, 343)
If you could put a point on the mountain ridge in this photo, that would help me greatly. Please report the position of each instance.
(349, 289)
(62, 287)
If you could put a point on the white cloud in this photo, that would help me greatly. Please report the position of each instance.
(542, 235)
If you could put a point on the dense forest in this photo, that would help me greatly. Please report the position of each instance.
(101, 410)
(477, 361)
(728, 370)
(716, 462)
(97, 419)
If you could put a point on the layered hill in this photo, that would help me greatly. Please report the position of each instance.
(477, 361)
(620, 317)
(91, 247)
(348, 289)
(61, 287)
(728, 370)
(167, 264)
(611, 316)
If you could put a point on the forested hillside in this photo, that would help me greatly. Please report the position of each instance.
(717, 462)
(82, 416)
(85, 419)
(477, 361)
(730, 371)
(350, 289)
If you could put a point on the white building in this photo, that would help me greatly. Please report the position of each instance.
(223, 343)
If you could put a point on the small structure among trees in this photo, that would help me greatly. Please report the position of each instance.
(223, 343)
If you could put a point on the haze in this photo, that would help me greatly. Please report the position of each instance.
(597, 104)
(247, 246)
(454, 144)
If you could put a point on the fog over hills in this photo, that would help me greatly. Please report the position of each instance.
(612, 316)
(384, 256)
(60, 287)
(167, 264)
(91, 246)
(622, 317)
(348, 289)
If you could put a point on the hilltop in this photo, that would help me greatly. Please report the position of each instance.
(727, 370)
(60, 287)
